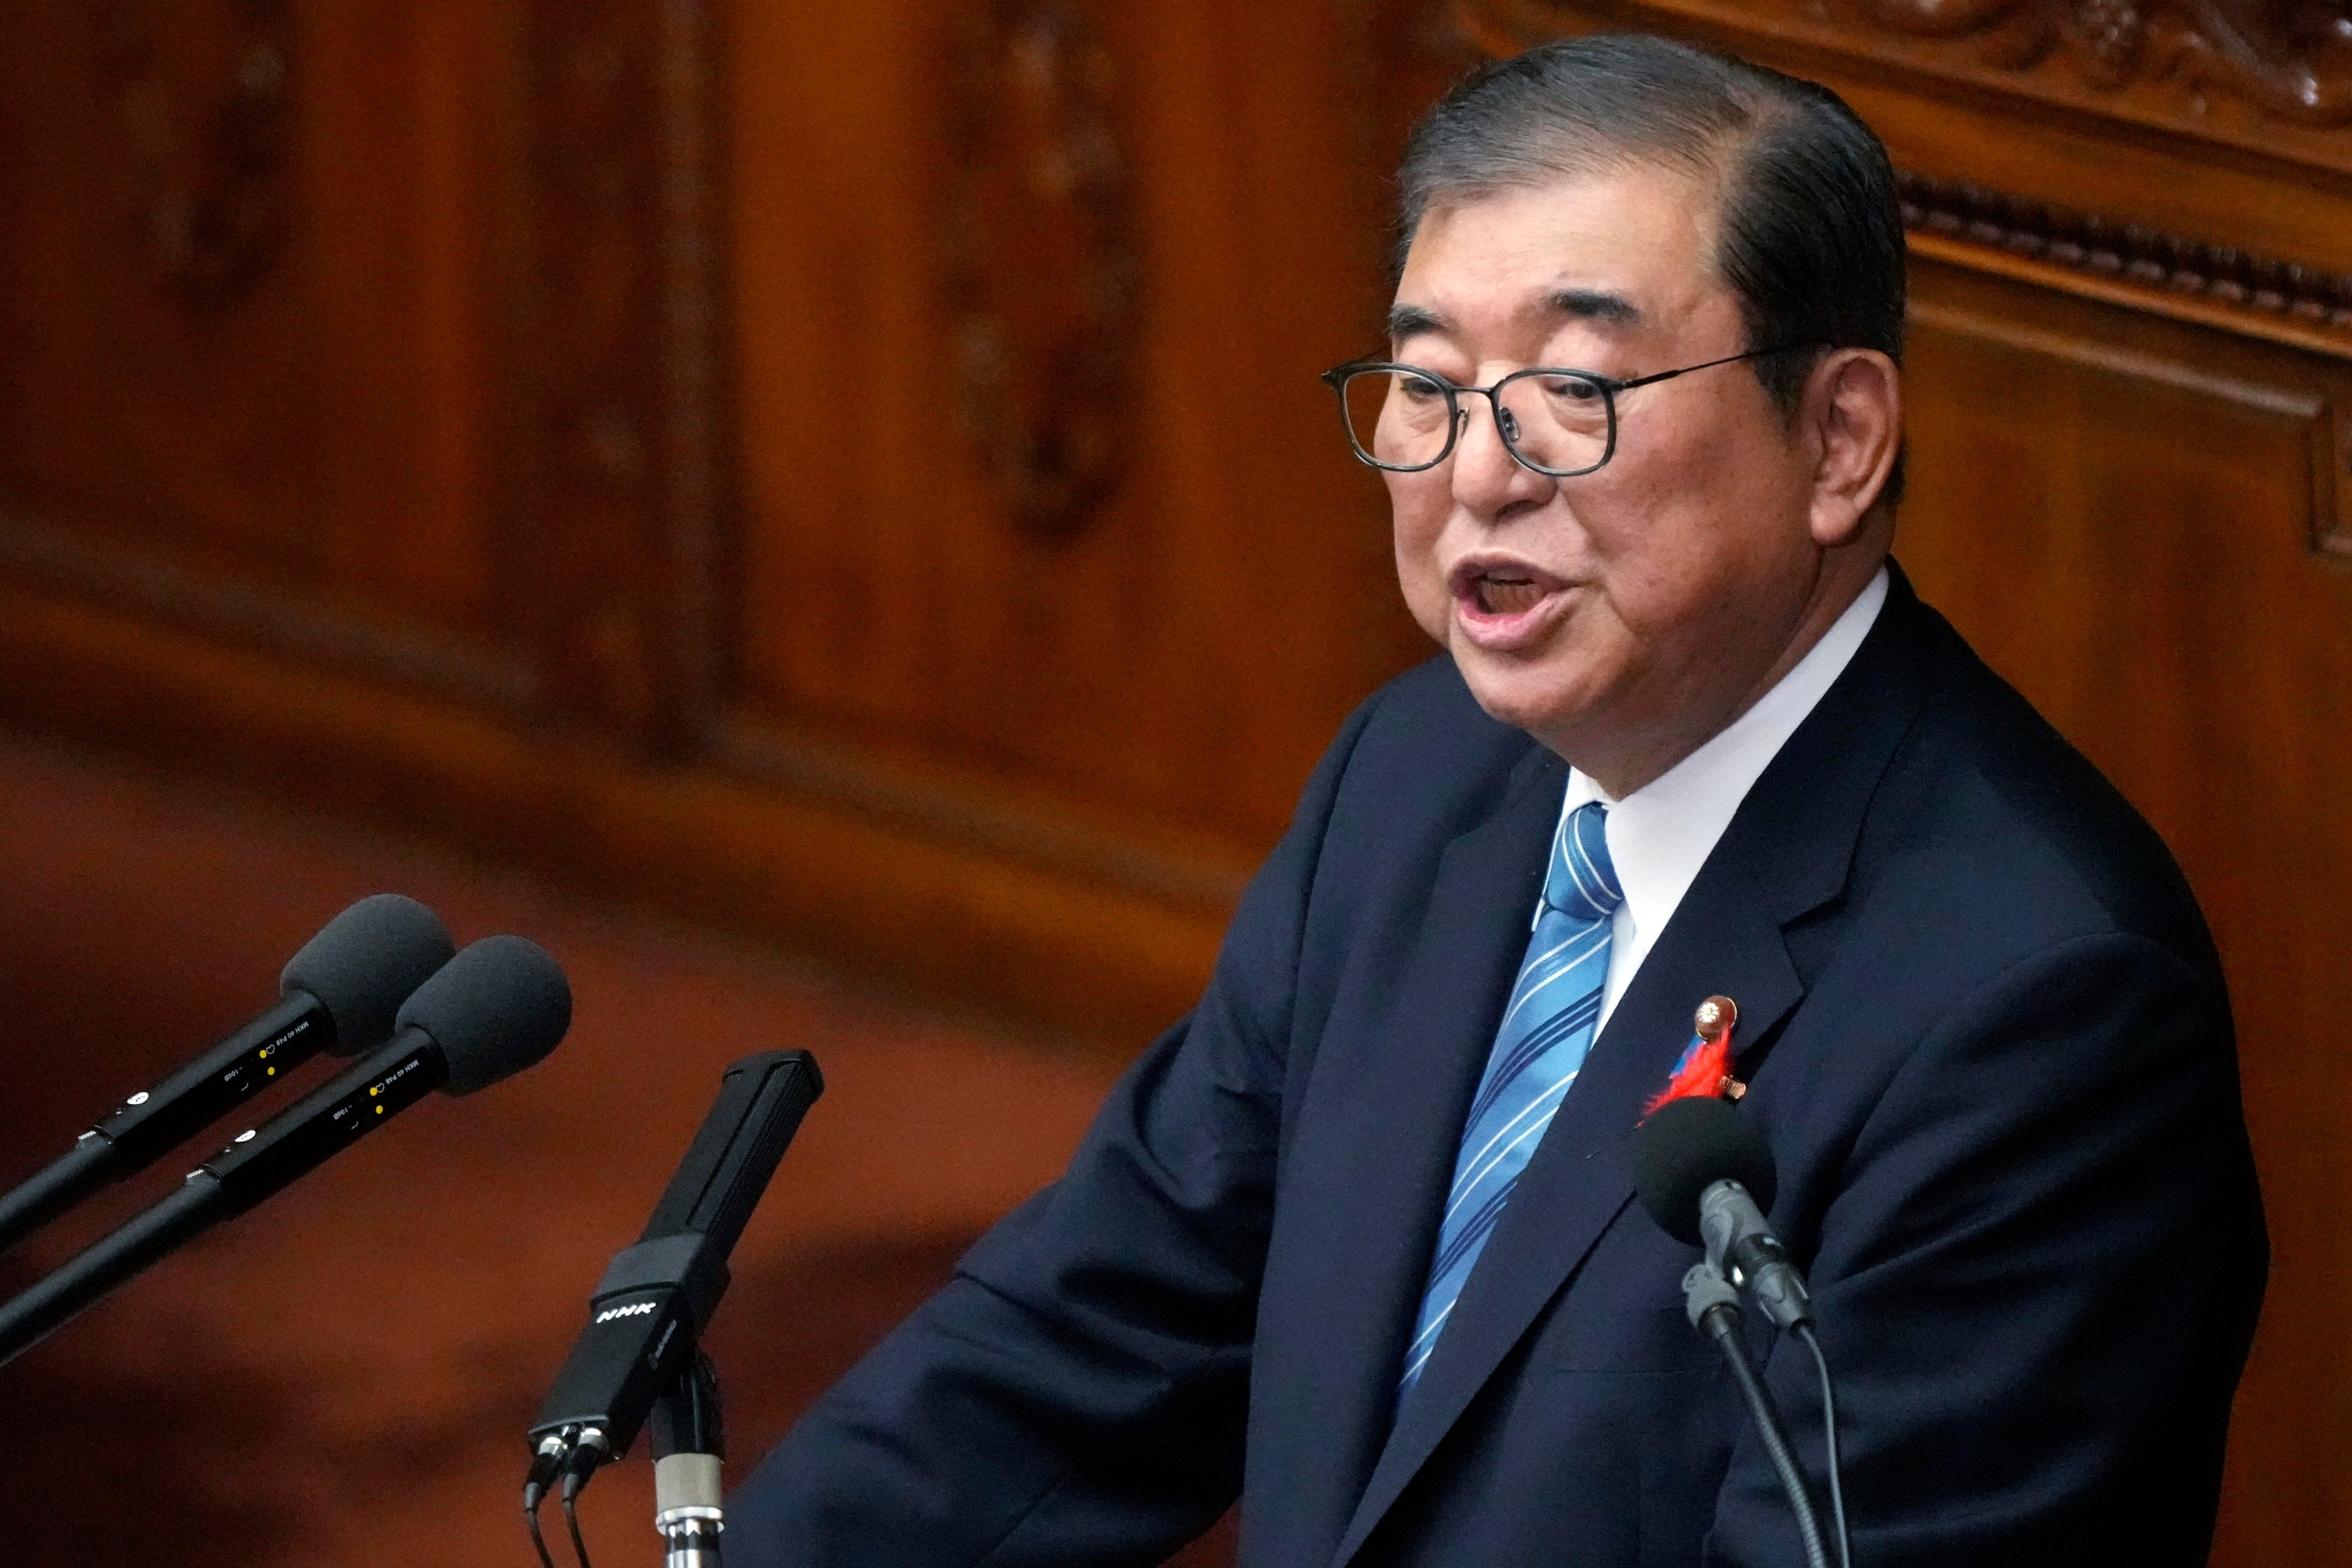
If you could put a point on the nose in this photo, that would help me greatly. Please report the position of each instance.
(1487, 480)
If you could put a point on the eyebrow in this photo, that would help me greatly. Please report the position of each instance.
(1412, 320)
(1595, 305)
(1577, 304)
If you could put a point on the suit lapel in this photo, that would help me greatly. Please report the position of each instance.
(1723, 939)
(1370, 1169)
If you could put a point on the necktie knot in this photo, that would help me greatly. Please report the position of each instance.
(1580, 882)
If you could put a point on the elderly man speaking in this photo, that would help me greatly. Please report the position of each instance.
(1355, 1242)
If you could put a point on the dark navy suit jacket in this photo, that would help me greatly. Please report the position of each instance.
(1985, 1038)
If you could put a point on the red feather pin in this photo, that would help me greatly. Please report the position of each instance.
(1705, 1065)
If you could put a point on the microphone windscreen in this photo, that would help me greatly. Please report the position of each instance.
(364, 964)
(1685, 1147)
(496, 1008)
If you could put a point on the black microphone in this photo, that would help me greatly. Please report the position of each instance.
(655, 1299)
(1706, 1175)
(339, 994)
(493, 1010)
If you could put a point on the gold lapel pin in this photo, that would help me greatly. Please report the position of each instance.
(1716, 1019)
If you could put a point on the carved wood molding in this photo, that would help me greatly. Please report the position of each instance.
(201, 105)
(2293, 58)
(2273, 77)
(2127, 253)
(1043, 277)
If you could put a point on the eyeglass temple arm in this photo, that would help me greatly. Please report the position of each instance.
(1615, 385)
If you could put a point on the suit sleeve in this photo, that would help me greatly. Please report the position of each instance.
(2036, 1275)
(1075, 1395)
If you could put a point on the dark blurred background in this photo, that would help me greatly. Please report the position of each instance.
(822, 516)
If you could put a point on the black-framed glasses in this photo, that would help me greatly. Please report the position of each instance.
(1553, 419)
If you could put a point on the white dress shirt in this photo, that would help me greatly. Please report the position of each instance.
(1661, 835)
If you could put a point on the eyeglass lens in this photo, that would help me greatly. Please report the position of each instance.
(1404, 419)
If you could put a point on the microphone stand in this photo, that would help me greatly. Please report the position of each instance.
(1714, 1309)
(689, 1444)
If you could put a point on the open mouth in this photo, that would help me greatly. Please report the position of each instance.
(1500, 587)
(1502, 603)
(1500, 593)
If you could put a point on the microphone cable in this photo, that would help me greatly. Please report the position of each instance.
(572, 1456)
(530, 1518)
(1804, 1331)
(1714, 1309)
(580, 1457)
(552, 1451)
(572, 1522)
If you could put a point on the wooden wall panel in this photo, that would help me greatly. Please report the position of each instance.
(667, 447)
(1172, 649)
(250, 300)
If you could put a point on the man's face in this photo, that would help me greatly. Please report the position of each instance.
(1624, 616)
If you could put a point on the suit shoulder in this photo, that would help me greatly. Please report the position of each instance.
(2034, 825)
(1432, 694)
(1417, 765)
(1422, 741)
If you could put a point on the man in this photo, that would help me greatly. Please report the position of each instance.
(1356, 1240)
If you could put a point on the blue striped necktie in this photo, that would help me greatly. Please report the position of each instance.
(1546, 1029)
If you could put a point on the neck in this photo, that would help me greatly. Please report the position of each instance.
(1632, 760)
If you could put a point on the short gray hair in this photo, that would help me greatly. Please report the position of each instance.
(1811, 240)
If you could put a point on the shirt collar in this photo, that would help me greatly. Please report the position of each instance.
(1661, 835)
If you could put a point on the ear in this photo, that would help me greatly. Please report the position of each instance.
(1854, 403)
